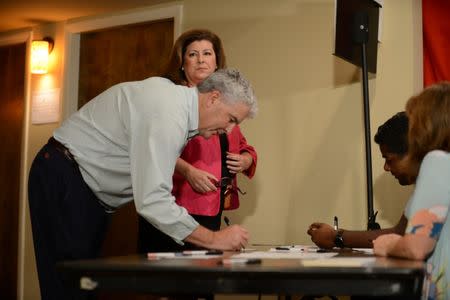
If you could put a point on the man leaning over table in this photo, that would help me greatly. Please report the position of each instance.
(123, 146)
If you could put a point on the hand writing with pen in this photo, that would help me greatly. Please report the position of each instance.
(233, 237)
(322, 234)
(228, 223)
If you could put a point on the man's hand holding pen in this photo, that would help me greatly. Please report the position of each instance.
(233, 237)
(228, 223)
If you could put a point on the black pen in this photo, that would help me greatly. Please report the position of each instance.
(253, 261)
(282, 248)
(241, 261)
(321, 250)
(214, 252)
(201, 252)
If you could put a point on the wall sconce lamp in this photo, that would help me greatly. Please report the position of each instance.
(39, 55)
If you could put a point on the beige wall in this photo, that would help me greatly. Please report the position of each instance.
(309, 132)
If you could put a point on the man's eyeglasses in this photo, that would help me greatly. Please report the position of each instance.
(227, 184)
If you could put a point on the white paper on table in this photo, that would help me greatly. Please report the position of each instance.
(285, 255)
(340, 262)
(364, 250)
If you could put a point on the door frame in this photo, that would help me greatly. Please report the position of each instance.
(16, 37)
(74, 27)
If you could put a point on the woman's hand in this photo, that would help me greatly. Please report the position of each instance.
(383, 245)
(238, 163)
(201, 181)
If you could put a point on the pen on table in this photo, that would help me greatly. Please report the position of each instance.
(321, 250)
(336, 223)
(202, 252)
(241, 261)
(157, 255)
(282, 248)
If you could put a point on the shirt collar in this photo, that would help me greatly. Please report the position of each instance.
(193, 117)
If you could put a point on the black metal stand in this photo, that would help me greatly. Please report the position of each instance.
(371, 224)
(353, 43)
(360, 36)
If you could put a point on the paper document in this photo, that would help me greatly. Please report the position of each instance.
(340, 262)
(285, 255)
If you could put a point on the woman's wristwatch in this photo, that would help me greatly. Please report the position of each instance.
(339, 240)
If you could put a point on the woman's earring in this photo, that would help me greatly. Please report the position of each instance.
(182, 68)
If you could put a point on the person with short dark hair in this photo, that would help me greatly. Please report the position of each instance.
(392, 139)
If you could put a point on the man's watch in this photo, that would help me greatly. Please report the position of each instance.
(339, 240)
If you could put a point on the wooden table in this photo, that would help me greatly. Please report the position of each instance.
(382, 277)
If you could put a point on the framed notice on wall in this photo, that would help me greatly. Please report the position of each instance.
(45, 106)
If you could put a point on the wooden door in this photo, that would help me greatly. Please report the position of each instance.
(12, 68)
(107, 57)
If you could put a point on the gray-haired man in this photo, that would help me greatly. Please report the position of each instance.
(122, 146)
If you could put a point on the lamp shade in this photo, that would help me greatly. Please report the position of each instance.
(39, 57)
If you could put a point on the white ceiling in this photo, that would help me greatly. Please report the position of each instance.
(17, 14)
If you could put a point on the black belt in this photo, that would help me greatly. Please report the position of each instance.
(65, 151)
(61, 148)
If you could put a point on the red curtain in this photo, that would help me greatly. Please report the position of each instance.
(436, 41)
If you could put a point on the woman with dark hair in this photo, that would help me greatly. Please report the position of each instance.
(427, 235)
(183, 51)
(205, 174)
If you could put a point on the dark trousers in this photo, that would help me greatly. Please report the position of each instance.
(67, 219)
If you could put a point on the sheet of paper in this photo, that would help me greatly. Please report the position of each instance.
(200, 256)
(340, 262)
(365, 250)
(45, 106)
(295, 248)
(284, 255)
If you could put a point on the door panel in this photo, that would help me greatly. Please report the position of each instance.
(111, 56)
(126, 53)
(12, 68)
